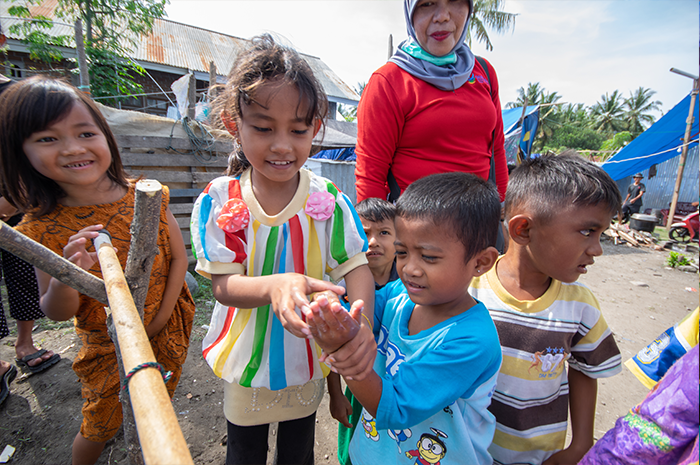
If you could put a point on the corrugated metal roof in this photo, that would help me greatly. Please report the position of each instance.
(188, 47)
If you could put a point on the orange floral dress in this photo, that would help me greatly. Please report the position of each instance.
(96, 362)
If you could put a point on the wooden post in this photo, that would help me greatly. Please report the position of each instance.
(159, 433)
(684, 155)
(212, 80)
(82, 60)
(191, 96)
(144, 239)
(46, 260)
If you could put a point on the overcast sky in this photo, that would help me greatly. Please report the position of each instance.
(578, 48)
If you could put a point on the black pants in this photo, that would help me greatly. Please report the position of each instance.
(247, 445)
(628, 210)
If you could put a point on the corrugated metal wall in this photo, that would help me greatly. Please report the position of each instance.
(660, 187)
(342, 173)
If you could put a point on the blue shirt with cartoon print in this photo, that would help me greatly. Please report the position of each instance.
(436, 387)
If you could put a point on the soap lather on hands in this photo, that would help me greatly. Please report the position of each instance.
(348, 344)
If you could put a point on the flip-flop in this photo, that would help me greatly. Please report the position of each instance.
(5, 383)
(23, 362)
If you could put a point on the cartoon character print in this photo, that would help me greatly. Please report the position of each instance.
(549, 362)
(369, 426)
(431, 448)
(399, 435)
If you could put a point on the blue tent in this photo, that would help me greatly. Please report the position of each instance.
(511, 117)
(661, 142)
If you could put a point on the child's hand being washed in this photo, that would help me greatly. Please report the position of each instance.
(290, 293)
(330, 325)
(354, 358)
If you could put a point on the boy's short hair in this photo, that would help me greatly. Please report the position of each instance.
(376, 210)
(546, 184)
(461, 202)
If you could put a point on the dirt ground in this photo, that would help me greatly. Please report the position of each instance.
(639, 295)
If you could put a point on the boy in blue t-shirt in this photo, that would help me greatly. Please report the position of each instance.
(377, 217)
(437, 355)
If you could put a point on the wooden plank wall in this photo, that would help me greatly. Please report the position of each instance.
(175, 164)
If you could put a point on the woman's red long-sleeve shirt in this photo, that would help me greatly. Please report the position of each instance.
(416, 129)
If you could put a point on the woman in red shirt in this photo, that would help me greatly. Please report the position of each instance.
(432, 108)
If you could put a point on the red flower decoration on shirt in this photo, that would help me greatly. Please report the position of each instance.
(234, 216)
(320, 206)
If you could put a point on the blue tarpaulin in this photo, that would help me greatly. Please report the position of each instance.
(511, 117)
(661, 142)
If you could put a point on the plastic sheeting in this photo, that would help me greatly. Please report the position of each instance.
(661, 142)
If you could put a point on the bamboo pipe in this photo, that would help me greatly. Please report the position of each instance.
(159, 433)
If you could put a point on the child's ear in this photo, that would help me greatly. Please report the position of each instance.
(229, 123)
(519, 229)
(317, 126)
(485, 260)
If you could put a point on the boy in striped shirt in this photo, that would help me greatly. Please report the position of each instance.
(556, 208)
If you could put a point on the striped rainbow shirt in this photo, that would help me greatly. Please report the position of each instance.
(249, 346)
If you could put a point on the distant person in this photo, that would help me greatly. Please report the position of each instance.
(54, 139)
(557, 208)
(266, 234)
(433, 108)
(377, 217)
(633, 201)
(438, 356)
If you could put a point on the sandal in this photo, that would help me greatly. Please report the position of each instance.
(5, 383)
(23, 362)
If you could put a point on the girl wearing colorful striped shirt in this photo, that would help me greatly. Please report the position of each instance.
(267, 234)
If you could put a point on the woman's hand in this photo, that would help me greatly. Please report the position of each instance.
(76, 249)
(290, 293)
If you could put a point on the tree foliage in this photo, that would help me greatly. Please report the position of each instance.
(488, 15)
(111, 28)
(608, 125)
(349, 112)
(637, 109)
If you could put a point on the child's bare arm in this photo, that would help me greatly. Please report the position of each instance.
(176, 278)
(582, 402)
(283, 291)
(339, 405)
(59, 301)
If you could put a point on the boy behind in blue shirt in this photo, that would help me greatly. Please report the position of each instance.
(438, 353)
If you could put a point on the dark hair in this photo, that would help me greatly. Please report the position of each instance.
(376, 210)
(461, 202)
(262, 62)
(29, 106)
(546, 184)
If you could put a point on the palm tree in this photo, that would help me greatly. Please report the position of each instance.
(487, 14)
(533, 93)
(637, 108)
(574, 114)
(607, 114)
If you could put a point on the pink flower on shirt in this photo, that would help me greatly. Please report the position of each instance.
(234, 216)
(320, 205)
